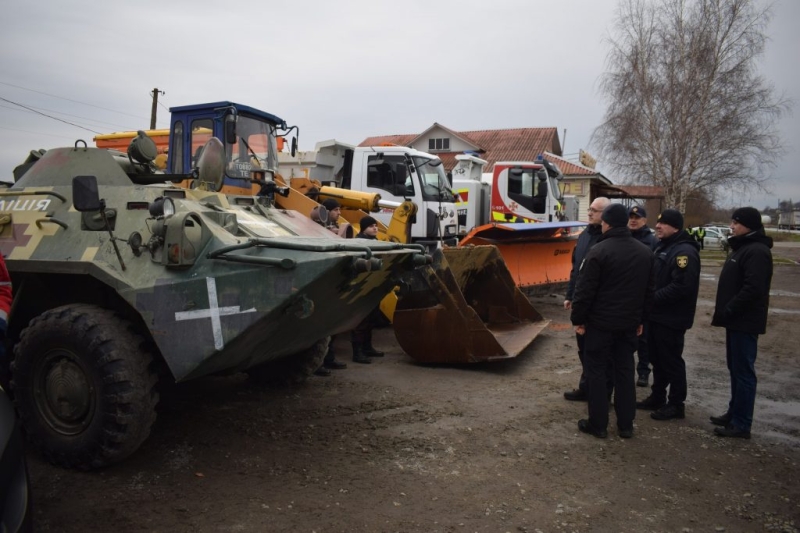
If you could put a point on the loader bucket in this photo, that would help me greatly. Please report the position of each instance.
(538, 255)
(464, 308)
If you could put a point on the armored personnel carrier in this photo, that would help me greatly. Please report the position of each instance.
(121, 279)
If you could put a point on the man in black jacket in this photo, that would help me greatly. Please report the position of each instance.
(677, 274)
(586, 240)
(637, 223)
(361, 336)
(613, 295)
(741, 308)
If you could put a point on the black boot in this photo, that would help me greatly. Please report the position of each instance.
(358, 354)
(368, 349)
(330, 360)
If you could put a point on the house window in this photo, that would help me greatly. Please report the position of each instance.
(439, 144)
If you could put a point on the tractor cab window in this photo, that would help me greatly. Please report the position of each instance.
(528, 187)
(202, 130)
(176, 155)
(255, 148)
(389, 173)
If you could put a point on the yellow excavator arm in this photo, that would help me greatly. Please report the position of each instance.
(355, 205)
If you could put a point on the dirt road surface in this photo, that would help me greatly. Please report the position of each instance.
(397, 446)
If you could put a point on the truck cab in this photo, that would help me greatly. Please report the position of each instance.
(399, 173)
(525, 191)
(248, 135)
(517, 191)
(396, 173)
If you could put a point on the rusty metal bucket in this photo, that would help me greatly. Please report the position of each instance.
(465, 308)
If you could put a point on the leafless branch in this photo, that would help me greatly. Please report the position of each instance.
(686, 108)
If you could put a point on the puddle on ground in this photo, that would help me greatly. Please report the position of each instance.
(784, 293)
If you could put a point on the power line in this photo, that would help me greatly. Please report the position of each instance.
(36, 133)
(70, 115)
(68, 99)
(48, 116)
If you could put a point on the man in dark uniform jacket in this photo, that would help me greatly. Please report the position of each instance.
(612, 298)
(586, 240)
(361, 336)
(741, 308)
(677, 273)
(637, 223)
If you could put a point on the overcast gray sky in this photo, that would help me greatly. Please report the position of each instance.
(346, 69)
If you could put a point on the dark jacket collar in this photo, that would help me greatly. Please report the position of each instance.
(750, 238)
(613, 233)
(681, 236)
(594, 229)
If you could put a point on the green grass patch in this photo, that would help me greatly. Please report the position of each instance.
(783, 236)
(718, 256)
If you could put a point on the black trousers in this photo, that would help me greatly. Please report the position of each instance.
(604, 349)
(669, 368)
(362, 333)
(582, 384)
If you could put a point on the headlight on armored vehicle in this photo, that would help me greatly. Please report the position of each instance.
(450, 229)
(185, 236)
(162, 207)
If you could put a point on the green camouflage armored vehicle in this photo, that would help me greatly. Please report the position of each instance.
(119, 275)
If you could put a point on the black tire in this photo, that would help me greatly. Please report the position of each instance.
(293, 369)
(84, 386)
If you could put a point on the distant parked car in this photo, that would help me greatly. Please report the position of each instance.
(716, 237)
(15, 503)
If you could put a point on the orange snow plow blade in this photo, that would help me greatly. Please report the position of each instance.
(465, 308)
(538, 255)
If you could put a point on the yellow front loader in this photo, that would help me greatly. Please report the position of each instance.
(464, 307)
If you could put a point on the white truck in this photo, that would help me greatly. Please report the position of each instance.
(517, 191)
(397, 173)
(789, 220)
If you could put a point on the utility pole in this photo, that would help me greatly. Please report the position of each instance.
(155, 106)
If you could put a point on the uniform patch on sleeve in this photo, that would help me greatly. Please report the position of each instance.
(682, 260)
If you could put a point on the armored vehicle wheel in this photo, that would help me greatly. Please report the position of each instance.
(83, 386)
(292, 369)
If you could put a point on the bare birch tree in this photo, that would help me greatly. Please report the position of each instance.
(687, 108)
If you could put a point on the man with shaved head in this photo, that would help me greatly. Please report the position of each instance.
(586, 240)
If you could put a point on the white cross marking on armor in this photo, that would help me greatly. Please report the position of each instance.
(213, 312)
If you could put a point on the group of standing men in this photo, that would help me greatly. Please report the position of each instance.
(630, 290)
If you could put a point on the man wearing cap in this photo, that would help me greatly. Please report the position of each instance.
(369, 228)
(361, 336)
(612, 297)
(677, 281)
(586, 240)
(334, 209)
(334, 212)
(741, 308)
(637, 223)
